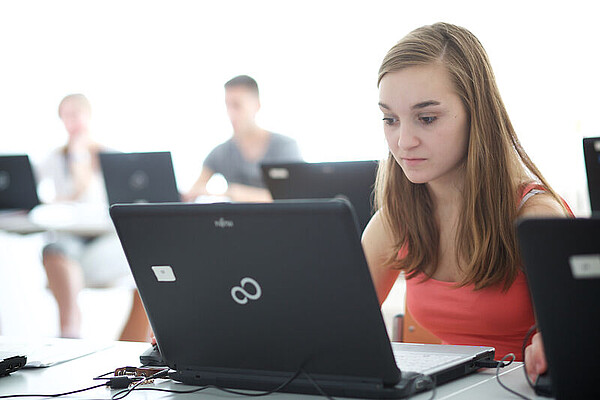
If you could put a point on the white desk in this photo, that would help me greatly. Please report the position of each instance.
(83, 220)
(78, 374)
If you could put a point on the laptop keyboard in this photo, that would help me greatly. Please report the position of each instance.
(422, 362)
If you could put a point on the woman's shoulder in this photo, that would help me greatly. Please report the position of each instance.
(377, 235)
(538, 201)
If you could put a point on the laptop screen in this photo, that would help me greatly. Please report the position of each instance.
(17, 183)
(139, 177)
(259, 288)
(591, 150)
(351, 180)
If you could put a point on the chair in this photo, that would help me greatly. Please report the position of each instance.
(407, 330)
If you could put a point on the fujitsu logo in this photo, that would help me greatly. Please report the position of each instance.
(223, 223)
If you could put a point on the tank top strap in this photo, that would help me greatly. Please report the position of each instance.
(530, 190)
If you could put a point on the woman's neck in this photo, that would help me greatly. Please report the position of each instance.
(447, 191)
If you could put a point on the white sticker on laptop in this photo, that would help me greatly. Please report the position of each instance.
(585, 266)
(279, 173)
(163, 273)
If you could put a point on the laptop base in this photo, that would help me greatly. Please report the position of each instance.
(410, 384)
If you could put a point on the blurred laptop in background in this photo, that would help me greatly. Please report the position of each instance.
(17, 184)
(139, 177)
(352, 180)
(591, 151)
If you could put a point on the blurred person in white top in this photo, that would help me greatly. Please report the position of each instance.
(71, 261)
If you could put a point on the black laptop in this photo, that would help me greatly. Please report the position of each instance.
(17, 184)
(139, 177)
(353, 180)
(562, 263)
(591, 151)
(248, 295)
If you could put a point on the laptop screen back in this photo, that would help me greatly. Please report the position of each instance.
(562, 263)
(591, 151)
(259, 288)
(139, 177)
(352, 180)
(17, 183)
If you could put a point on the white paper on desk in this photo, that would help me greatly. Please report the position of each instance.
(45, 352)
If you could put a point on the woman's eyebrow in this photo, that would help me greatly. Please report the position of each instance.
(426, 103)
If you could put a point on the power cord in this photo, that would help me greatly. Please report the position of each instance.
(316, 385)
(429, 380)
(528, 335)
(425, 380)
(511, 355)
(124, 393)
(523, 346)
(125, 382)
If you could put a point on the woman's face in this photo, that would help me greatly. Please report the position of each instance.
(425, 123)
(75, 118)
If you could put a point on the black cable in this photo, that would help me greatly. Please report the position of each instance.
(316, 385)
(52, 395)
(65, 393)
(427, 379)
(433, 387)
(489, 364)
(124, 393)
(523, 346)
(498, 375)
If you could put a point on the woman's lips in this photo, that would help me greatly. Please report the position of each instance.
(413, 161)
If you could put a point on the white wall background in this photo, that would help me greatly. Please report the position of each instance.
(154, 72)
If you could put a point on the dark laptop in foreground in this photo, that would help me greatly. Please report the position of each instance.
(139, 177)
(248, 295)
(562, 263)
(353, 180)
(17, 184)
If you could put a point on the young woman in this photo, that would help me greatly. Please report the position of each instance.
(448, 195)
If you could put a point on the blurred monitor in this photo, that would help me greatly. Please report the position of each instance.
(591, 151)
(17, 183)
(139, 177)
(352, 180)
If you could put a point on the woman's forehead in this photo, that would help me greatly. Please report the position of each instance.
(413, 86)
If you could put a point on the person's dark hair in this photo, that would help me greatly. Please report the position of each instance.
(244, 81)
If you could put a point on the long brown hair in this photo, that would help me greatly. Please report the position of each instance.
(496, 167)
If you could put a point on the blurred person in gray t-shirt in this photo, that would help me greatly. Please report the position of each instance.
(239, 158)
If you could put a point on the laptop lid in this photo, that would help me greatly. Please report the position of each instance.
(139, 177)
(244, 295)
(562, 263)
(353, 180)
(591, 151)
(17, 183)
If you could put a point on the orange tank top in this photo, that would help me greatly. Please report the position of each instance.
(462, 315)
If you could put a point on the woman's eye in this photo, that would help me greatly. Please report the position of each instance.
(427, 120)
(389, 121)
